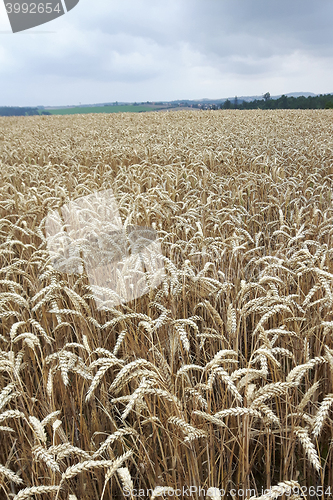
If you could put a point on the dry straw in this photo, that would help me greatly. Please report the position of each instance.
(222, 374)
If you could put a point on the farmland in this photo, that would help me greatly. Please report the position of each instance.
(219, 377)
(121, 108)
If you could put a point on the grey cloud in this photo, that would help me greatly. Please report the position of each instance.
(140, 49)
(275, 27)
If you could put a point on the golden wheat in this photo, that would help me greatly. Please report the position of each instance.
(220, 375)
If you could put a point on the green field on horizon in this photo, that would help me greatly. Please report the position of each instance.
(125, 108)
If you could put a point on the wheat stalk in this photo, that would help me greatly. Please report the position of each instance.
(322, 415)
(35, 490)
(309, 447)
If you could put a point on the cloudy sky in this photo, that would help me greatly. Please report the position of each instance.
(139, 50)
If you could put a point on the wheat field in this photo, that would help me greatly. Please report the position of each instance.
(221, 377)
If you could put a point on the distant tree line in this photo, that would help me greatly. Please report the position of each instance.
(284, 102)
(16, 111)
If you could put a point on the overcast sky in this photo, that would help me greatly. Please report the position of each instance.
(139, 50)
